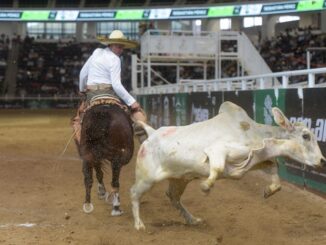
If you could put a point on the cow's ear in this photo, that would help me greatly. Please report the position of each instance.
(281, 120)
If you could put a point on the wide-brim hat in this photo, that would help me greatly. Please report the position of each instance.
(117, 37)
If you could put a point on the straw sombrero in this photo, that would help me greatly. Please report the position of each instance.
(117, 37)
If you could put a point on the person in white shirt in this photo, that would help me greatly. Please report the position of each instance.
(101, 76)
(102, 70)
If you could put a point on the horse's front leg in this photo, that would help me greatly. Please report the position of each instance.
(88, 181)
(101, 190)
(116, 168)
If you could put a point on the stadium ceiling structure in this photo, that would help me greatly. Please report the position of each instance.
(115, 3)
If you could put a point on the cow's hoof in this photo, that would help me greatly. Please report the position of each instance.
(205, 187)
(197, 221)
(194, 221)
(88, 208)
(269, 192)
(139, 225)
(116, 211)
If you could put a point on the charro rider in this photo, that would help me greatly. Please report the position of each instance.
(100, 79)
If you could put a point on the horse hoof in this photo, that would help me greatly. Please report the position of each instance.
(116, 211)
(101, 192)
(88, 208)
(104, 196)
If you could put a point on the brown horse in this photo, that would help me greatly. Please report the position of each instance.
(106, 138)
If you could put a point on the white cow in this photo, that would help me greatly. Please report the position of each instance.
(226, 146)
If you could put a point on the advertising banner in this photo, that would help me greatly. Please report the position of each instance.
(245, 99)
(154, 109)
(290, 170)
(264, 101)
(204, 105)
(180, 108)
(136, 14)
(314, 117)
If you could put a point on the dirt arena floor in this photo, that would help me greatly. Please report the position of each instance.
(42, 195)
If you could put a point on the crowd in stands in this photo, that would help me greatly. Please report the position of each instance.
(4, 50)
(288, 51)
(52, 68)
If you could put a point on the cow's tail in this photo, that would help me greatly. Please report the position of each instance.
(142, 130)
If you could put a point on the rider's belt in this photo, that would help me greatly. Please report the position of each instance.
(99, 86)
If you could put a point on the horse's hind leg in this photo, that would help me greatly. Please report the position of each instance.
(116, 168)
(176, 189)
(101, 191)
(88, 181)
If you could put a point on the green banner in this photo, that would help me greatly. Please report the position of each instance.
(180, 108)
(129, 14)
(220, 11)
(307, 5)
(35, 15)
(264, 101)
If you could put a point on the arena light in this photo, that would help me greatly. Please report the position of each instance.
(288, 18)
(225, 24)
(252, 21)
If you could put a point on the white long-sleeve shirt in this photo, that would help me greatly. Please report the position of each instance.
(104, 67)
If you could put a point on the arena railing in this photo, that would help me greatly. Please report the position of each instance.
(38, 102)
(306, 78)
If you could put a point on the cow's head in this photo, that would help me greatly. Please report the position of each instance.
(301, 145)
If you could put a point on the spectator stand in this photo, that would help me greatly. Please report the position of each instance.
(4, 51)
(177, 57)
(51, 67)
(289, 50)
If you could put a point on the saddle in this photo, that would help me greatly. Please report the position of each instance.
(108, 100)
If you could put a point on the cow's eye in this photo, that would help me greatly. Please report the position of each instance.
(306, 137)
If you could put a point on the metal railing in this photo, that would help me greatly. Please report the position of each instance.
(240, 83)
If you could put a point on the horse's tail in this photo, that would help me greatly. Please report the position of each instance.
(142, 130)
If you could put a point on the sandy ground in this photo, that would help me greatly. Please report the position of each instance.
(42, 195)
